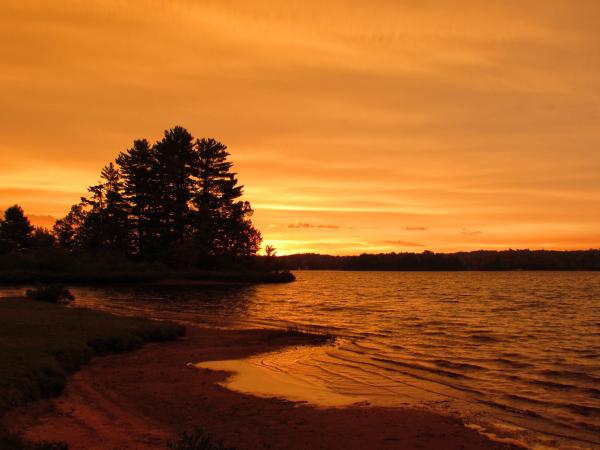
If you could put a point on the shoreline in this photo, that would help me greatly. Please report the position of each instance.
(145, 398)
(105, 276)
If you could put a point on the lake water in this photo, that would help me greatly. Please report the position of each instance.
(515, 354)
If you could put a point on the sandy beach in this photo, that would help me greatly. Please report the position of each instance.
(141, 400)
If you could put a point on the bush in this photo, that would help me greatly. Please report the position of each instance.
(197, 440)
(54, 293)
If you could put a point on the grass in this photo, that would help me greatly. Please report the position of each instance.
(197, 440)
(41, 343)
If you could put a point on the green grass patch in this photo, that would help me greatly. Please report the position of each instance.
(41, 343)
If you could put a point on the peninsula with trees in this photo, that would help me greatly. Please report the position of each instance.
(171, 209)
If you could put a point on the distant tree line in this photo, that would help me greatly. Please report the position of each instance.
(427, 260)
(177, 198)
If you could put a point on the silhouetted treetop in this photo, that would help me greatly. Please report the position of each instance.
(15, 229)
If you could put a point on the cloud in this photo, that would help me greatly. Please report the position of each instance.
(416, 228)
(470, 232)
(308, 225)
(404, 243)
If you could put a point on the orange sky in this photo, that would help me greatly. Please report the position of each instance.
(355, 126)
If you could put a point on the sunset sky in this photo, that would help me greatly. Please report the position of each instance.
(354, 126)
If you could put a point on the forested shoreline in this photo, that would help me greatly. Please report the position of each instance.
(465, 261)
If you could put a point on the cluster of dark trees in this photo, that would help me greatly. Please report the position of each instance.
(176, 195)
(174, 200)
(477, 260)
(17, 233)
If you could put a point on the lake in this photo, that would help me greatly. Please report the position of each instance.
(514, 354)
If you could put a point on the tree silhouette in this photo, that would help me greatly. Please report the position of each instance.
(221, 221)
(15, 229)
(139, 191)
(173, 157)
(106, 221)
(69, 231)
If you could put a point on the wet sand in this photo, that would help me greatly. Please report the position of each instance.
(143, 399)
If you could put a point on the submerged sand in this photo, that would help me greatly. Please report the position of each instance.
(142, 400)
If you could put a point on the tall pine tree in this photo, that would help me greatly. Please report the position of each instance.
(173, 157)
(106, 221)
(141, 192)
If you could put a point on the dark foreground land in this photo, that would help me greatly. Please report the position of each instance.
(144, 399)
(41, 344)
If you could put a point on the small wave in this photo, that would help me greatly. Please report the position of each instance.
(333, 308)
(483, 338)
(510, 355)
(512, 409)
(553, 385)
(584, 410)
(396, 347)
(570, 374)
(434, 333)
(505, 309)
(591, 391)
(421, 367)
(512, 363)
(591, 427)
(520, 398)
(461, 366)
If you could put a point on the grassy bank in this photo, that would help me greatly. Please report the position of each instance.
(41, 343)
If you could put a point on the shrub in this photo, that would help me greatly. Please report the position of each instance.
(53, 293)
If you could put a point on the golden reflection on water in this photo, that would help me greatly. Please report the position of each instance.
(252, 376)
